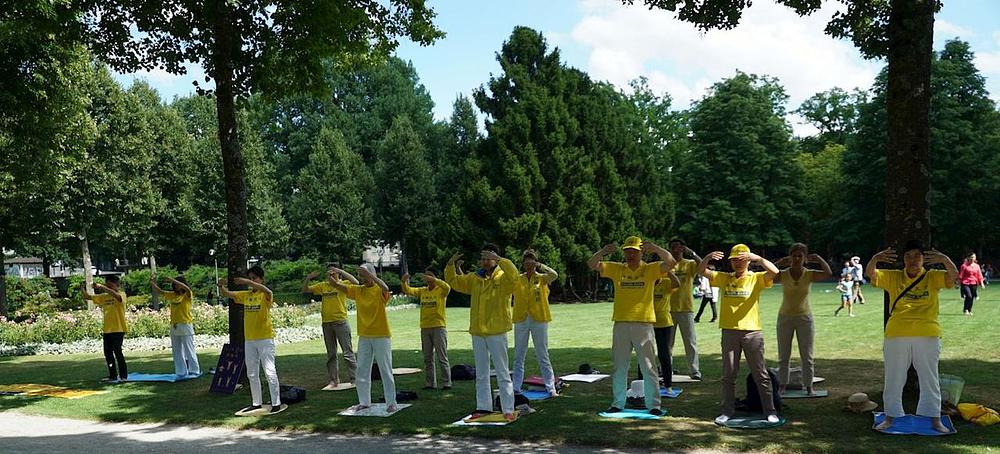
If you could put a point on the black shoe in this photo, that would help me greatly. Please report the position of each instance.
(696, 377)
(251, 408)
(613, 410)
(275, 409)
(697, 320)
(446, 388)
(656, 412)
(711, 321)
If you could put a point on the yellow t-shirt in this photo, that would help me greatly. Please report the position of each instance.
(256, 314)
(795, 293)
(489, 311)
(432, 302)
(532, 297)
(916, 313)
(662, 296)
(370, 301)
(633, 290)
(334, 302)
(739, 299)
(682, 300)
(114, 311)
(180, 306)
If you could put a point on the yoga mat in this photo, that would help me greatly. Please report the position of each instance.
(342, 387)
(37, 390)
(677, 378)
(167, 378)
(404, 370)
(493, 419)
(753, 422)
(671, 393)
(913, 425)
(264, 410)
(586, 378)
(536, 395)
(375, 410)
(630, 413)
(801, 394)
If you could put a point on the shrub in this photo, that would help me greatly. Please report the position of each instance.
(26, 291)
(136, 282)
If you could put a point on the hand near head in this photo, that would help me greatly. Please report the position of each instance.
(814, 258)
(363, 272)
(715, 255)
(405, 278)
(454, 258)
(490, 255)
(783, 261)
(609, 248)
(312, 275)
(886, 256)
(933, 257)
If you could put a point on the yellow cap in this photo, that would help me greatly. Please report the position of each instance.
(739, 249)
(633, 242)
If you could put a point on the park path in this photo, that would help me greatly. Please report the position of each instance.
(34, 434)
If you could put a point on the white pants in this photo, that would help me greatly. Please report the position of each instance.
(539, 334)
(260, 353)
(922, 352)
(493, 347)
(378, 350)
(185, 358)
(684, 321)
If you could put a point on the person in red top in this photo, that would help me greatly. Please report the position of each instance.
(971, 278)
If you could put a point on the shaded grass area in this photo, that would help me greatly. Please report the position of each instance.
(848, 354)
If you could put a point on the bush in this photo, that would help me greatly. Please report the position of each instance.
(285, 276)
(136, 282)
(201, 278)
(28, 291)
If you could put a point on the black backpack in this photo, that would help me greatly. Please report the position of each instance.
(401, 396)
(292, 394)
(463, 372)
(519, 399)
(752, 402)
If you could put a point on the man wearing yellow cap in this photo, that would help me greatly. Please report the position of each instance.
(739, 318)
(634, 315)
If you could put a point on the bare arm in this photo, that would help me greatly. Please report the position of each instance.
(305, 282)
(156, 288)
(344, 274)
(825, 271)
(366, 275)
(178, 285)
(594, 262)
(258, 287)
(770, 271)
(933, 257)
(107, 289)
(224, 291)
(694, 255)
(674, 282)
(885, 256)
(549, 275)
(667, 260)
(703, 266)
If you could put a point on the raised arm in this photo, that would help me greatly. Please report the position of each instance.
(461, 283)
(694, 255)
(178, 285)
(305, 282)
(770, 271)
(825, 271)
(224, 290)
(594, 262)
(107, 289)
(703, 265)
(404, 282)
(258, 287)
(348, 276)
(379, 282)
(933, 257)
(548, 274)
(674, 282)
(156, 288)
(885, 256)
(667, 260)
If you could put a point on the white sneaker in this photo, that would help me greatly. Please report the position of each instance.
(773, 419)
(721, 420)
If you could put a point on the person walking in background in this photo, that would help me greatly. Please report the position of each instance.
(709, 296)
(970, 276)
(857, 280)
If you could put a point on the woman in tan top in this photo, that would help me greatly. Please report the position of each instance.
(795, 316)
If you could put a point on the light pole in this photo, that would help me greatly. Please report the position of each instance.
(215, 259)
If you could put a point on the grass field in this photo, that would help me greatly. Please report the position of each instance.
(848, 352)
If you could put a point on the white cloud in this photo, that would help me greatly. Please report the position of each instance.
(626, 42)
(947, 30)
(168, 84)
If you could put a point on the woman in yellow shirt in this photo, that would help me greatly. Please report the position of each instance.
(181, 326)
(795, 316)
(433, 334)
(531, 319)
(912, 332)
(112, 303)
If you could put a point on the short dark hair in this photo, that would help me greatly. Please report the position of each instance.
(491, 247)
(430, 270)
(112, 279)
(676, 240)
(256, 270)
(914, 244)
(181, 279)
(330, 265)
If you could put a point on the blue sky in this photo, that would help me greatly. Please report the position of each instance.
(617, 43)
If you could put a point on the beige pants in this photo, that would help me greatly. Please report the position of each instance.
(735, 342)
(435, 341)
(639, 336)
(339, 333)
(684, 321)
(800, 327)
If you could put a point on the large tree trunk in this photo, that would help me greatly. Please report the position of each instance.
(225, 50)
(88, 276)
(908, 101)
(3, 286)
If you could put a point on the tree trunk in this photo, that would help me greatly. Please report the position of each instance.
(908, 100)
(154, 299)
(3, 286)
(88, 276)
(226, 48)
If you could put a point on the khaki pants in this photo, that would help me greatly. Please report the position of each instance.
(800, 327)
(639, 336)
(435, 341)
(334, 333)
(735, 342)
(684, 322)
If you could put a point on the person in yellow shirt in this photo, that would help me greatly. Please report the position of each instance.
(532, 317)
(374, 338)
(795, 316)
(181, 326)
(490, 288)
(433, 334)
(912, 332)
(258, 346)
(112, 303)
(633, 315)
(682, 304)
(336, 329)
(739, 318)
(664, 328)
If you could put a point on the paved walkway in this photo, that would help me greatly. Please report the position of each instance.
(36, 434)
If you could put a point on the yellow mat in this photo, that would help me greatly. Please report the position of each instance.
(31, 389)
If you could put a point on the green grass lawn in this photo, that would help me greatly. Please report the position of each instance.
(848, 352)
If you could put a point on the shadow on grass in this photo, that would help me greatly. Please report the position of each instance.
(814, 424)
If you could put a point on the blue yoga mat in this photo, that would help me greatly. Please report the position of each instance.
(671, 393)
(536, 395)
(913, 425)
(753, 422)
(630, 413)
(169, 378)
